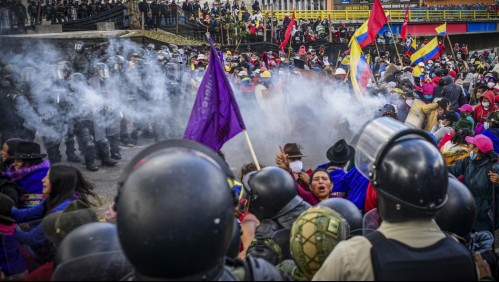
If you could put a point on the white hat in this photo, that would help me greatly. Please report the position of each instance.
(201, 57)
(421, 64)
(242, 73)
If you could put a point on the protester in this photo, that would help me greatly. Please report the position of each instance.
(476, 169)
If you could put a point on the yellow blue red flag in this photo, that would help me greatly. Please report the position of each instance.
(359, 69)
(442, 29)
(428, 52)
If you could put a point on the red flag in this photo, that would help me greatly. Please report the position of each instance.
(287, 35)
(403, 32)
(377, 20)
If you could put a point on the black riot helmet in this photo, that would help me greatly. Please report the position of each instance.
(272, 192)
(175, 212)
(117, 63)
(77, 82)
(348, 210)
(88, 239)
(408, 187)
(101, 70)
(79, 46)
(64, 70)
(459, 214)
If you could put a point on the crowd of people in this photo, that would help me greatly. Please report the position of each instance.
(58, 11)
(431, 181)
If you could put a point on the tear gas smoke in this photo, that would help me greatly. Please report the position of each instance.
(149, 94)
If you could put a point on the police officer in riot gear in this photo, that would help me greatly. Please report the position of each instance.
(410, 177)
(172, 171)
(107, 117)
(81, 59)
(12, 125)
(84, 127)
(63, 104)
(33, 13)
(274, 201)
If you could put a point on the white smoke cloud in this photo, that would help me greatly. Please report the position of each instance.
(312, 112)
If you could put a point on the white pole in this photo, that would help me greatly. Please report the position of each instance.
(251, 149)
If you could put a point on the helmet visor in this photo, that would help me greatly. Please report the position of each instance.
(373, 139)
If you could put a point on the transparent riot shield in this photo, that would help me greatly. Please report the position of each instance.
(371, 221)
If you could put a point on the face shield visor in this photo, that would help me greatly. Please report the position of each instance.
(374, 140)
(104, 72)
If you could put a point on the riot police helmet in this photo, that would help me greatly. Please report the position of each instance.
(101, 70)
(459, 214)
(151, 46)
(412, 187)
(79, 46)
(88, 239)
(348, 211)
(64, 70)
(175, 213)
(117, 63)
(272, 192)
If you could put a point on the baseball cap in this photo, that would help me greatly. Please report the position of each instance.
(449, 115)
(483, 142)
(466, 108)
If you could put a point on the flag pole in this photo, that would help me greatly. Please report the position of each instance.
(394, 43)
(451, 47)
(253, 155)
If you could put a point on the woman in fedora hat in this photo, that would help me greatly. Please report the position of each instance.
(27, 171)
(62, 185)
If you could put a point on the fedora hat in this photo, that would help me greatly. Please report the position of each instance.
(27, 150)
(6, 204)
(340, 153)
(293, 150)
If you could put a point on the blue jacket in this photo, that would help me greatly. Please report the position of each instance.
(355, 186)
(493, 134)
(11, 259)
(34, 236)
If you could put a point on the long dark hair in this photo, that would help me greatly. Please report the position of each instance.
(68, 183)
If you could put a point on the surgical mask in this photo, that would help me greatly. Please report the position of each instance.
(486, 125)
(472, 155)
(442, 124)
(485, 104)
(491, 85)
(409, 102)
(296, 166)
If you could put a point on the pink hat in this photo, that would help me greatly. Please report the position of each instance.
(483, 142)
(466, 108)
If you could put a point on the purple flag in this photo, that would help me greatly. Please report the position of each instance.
(215, 117)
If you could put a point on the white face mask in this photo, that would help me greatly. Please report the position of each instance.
(491, 85)
(486, 104)
(409, 102)
(296, 166)
(443, 124)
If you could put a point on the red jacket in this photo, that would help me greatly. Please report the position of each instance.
(480, 114)
(371, 202)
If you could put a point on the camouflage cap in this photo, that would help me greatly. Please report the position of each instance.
(314, 235)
